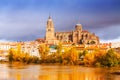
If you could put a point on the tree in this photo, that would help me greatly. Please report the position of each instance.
(82, 54)
(74, 55)
(85, 52)
(89, 59)
(59, 49)
(43, 51)
(10, 56)
(70, 56)
(109, 59)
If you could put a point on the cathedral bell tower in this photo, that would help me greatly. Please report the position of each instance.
(50, 34)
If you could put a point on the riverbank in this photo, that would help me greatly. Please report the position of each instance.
(70, 56)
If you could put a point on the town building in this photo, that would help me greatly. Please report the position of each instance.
(115, 44)
(77, 36)
(30, 47)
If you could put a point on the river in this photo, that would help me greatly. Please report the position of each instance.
(52, 72)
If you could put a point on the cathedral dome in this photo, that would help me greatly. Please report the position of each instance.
(78, 27)
(78, 24)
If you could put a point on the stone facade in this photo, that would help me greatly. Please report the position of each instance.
(77, 36)
(50, 33)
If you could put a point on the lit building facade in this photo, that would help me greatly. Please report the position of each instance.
(77, 36)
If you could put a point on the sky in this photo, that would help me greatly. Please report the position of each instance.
(25, 20)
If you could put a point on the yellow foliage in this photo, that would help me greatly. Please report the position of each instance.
(18, 55)
(74, 55)
(43, 51)
(117, 54)
(70, 54)
(89, 58)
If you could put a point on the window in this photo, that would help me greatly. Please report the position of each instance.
(82, 35)
(70, 37)
(86, 35)
(57, 37)
(61, 37)
(49, 29)
(76, 34)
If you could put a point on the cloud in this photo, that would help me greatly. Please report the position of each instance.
(26, 19)
(109, 32)
(29, 24)
(111, 41)
(16, 25)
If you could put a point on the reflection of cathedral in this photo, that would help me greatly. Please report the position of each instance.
(77, 36)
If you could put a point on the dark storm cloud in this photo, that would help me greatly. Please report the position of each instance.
(26, 19)
(21, 26)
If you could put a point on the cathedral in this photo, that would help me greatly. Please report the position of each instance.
(77, 36)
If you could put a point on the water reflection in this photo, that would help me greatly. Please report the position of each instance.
(43, 72)
(72, 73)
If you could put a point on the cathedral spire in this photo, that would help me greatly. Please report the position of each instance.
(49, 16)
(50, 34)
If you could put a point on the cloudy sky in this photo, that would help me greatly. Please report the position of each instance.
(24, 20)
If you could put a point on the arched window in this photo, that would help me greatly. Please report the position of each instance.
(86, 35)
(82, 36)
(70, 37)
(76, 34)
(61, 37)
(57, 37)
(92, 42)
(49, 29)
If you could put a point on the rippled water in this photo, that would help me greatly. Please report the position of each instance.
(48, 72)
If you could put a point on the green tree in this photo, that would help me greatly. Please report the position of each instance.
(109, 59)
(10, 56)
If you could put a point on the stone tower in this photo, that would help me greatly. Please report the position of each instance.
(50, 34)
(77, 33)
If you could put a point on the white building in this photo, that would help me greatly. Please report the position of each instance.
(115, 45)
(30, 47)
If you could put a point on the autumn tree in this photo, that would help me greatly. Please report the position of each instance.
(43, 51)
(59, 49)
(109, 59)
(89, 59)
(70, 56)
(10, 56)
(17, 55)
